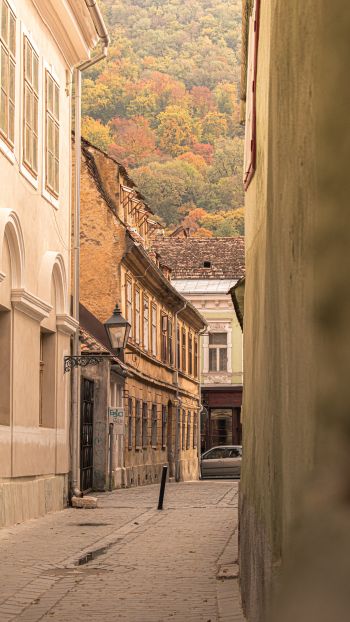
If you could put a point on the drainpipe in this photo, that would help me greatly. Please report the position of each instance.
(104, 38)
(178, 403)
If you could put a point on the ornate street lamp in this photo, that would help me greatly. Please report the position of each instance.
(118, 330)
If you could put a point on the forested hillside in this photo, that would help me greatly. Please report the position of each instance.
(165, 103)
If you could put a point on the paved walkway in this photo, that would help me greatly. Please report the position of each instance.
(127, 561)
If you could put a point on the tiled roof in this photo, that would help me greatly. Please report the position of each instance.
(203, 258)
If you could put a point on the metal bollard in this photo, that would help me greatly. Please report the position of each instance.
(162, 487)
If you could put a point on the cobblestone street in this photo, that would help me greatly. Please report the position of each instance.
(127, 561)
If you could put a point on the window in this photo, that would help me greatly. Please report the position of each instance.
(7, 72)
(154, 330)
(52, 156)
(183, 435)
(30, 108)
(47, 380)
(164, 342)
(164, 426)
(218, 352)
(213, 454)
(190, 354)
(188, 435)
(196, 358)
(170, 341)
(130, 426)
(195, 430)
(138, 424)
(178, 349)
(137, 315)
(128, 287)
(145, 322)
(206, 264)
(154, 425)
(184, 366)
(144, 424)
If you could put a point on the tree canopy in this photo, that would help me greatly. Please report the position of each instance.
(165, 103)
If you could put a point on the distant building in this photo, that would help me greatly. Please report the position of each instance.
(204, 270)
(161, 395)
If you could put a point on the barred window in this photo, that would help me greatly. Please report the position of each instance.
(183, 442)
(188, 435)
(130, 423)
(138, 424)
(144, 424)
(31, 108)
(7, 72)
(145, 322)
(164, 426)
(52, 159)
(154, 425)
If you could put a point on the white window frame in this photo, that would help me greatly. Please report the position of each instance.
(54, 201)
(7, 150)
(34, 181)
(218, 347)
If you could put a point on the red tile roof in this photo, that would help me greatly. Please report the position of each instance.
(203, 258)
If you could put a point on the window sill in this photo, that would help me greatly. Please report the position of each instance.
(7, 151)
(50, 198)
(29, 177)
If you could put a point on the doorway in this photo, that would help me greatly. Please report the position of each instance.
(86, 434)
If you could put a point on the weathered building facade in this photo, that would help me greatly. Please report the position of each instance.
(203, 270)
(161, 398)
(294, 505)
(40, 44)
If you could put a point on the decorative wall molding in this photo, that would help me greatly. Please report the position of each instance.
(29, 304)
(66, 324)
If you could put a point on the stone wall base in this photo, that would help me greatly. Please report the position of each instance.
(151, 473)
(25, 498)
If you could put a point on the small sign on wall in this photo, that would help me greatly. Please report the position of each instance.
(116, 416)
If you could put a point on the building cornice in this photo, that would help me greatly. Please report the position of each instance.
(66, 324)
(30, 305)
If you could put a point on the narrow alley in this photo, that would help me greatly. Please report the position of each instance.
(126, 560)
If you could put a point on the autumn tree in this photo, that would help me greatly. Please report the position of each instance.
(97, 133)
(134, 140)
(175, 130)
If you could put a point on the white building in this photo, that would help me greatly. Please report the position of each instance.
(41, 41)
(203, 270)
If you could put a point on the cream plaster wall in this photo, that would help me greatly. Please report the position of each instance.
(294, 505)
(34, 269)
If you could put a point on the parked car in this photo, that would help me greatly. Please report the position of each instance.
(222, 462)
